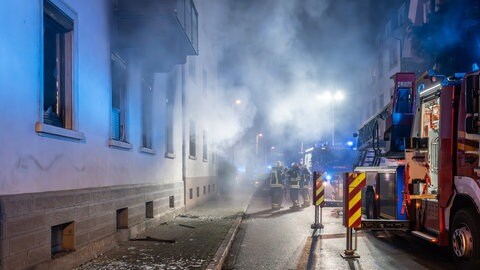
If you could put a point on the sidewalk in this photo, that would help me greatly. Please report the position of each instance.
(198, 239)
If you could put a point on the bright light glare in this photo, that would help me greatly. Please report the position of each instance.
(238, 101)
(339, 95)
(329, 177)
(327, 96)
(260, 135)
(350, 143)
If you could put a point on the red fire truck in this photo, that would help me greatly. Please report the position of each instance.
(423, 176)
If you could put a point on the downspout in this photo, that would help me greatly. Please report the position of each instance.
(184, 168)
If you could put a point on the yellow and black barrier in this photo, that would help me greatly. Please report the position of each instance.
(319, 198)
(352, 209)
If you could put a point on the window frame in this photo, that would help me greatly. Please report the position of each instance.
(112, 142)
(170, 100)
(68, 130)
(192, 141)
(146, 88)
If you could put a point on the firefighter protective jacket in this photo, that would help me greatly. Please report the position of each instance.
(276, 177)
(294, 177)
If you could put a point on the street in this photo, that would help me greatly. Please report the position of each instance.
(283, 240)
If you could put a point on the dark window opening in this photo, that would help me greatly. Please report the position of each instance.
(198, 191)
(170, 103)
(57, 67)
(193, 143)
(204, 190)
(62, 239)
(119, 96)
(122, 218)
(205, 146)
(171, 201)
(190, 193)
(149, 209)
(147, 102)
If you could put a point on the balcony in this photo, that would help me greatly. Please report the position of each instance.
(161, 33)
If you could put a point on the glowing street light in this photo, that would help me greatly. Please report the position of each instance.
(257, 138)
(238, 101)
(332, 98)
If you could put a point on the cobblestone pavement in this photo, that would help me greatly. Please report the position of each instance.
(191, 241)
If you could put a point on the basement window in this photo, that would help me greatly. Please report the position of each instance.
(122, 218)
(62, 239)
(171, 201)
(149, 209)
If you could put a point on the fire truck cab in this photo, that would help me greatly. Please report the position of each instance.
(435, 183)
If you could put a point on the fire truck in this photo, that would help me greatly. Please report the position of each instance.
(423, 174)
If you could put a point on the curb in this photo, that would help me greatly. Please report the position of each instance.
(222, 251)
(218, 259)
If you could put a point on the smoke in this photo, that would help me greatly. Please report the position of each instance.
(289, 54)
(285, 56)
(226, 113)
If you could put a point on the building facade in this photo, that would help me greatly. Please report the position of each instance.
(439, 36)
(100, 141)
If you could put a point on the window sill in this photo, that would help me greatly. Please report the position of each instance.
(48, 130)
(192, 157)
(170, 155)
(147, 150)
(119, 144)
(205, 160)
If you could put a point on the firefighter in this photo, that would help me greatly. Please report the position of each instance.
(304, 185)
(286, 189)
(294, 185)
(276, 185)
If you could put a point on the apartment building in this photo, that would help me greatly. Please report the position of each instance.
(99, 141)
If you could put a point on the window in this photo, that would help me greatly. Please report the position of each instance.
(205, 146)
(192, 144)
(380, 65)
(147, 99)
(393, 55)
(119, 97)
(170, 103)
(149, 209)
(57, 67)
(62, 239)
(58, 96)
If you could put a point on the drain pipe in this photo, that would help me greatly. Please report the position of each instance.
(184, 150)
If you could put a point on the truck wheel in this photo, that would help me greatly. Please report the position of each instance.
(464, 239)
(370, 208)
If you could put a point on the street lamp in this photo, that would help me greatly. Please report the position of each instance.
(257, 138)
(333, 98)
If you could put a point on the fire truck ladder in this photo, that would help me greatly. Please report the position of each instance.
(370, 158)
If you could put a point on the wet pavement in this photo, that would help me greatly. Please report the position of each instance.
(261, 238)
(198, 239)
(283, 239)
